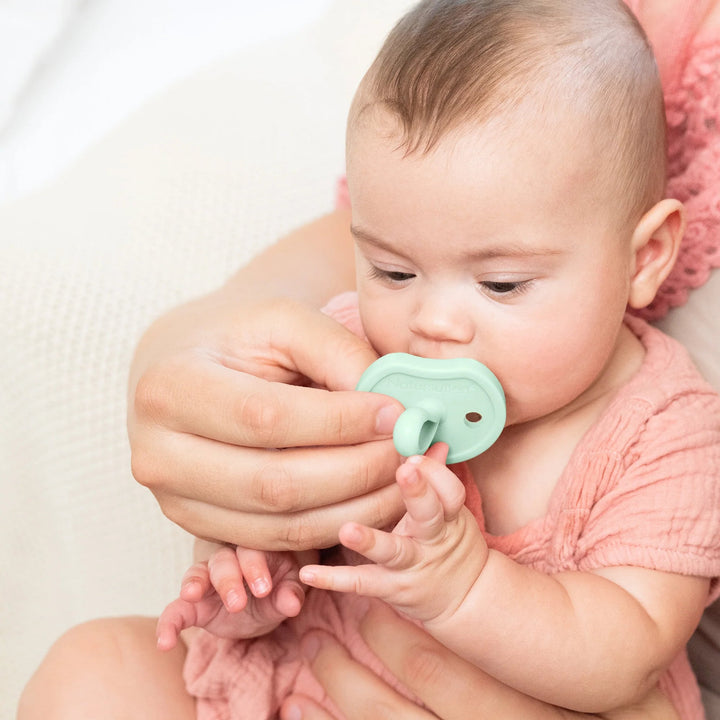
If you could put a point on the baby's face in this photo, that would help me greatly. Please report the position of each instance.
(494, 247)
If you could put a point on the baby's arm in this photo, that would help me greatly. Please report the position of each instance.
(585, 641)
(235, 593)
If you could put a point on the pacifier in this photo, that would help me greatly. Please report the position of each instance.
(457, 401)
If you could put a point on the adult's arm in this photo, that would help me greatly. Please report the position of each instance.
(450, 688)
(217, 384)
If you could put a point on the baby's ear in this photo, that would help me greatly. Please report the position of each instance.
(655, 243)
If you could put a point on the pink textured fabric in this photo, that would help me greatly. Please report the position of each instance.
(693, 113)
(690, 67)
(642, 488)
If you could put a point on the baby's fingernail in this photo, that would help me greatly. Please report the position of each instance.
(190, 587)
(292, 712)
(414, 459)
(260, 587)
(232, 599)
(386, 418)
(306, 575)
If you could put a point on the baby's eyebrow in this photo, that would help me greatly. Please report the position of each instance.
(360, 234)
(503, 250)
(511, 250)
(367, 237)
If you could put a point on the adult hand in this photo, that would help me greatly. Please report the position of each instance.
(217, 385)
(450, 687)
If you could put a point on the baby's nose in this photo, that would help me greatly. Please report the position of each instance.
(443, 319)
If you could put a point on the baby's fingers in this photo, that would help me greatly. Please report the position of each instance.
(196, 582)
(254, 569)
(176, 617)
(391, 550)
(425, 518)
(367, 580)
(445, 483)
(226, 577)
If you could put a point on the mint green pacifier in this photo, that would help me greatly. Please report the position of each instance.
(457, 401)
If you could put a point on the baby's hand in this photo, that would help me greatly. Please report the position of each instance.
(213, 595)
(426, 566)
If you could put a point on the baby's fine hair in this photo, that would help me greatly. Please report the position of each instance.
(448, 63)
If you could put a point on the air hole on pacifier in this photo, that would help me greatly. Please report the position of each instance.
(473, 417)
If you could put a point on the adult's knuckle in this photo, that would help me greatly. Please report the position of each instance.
(349, 347)
(153, 395)
(261, 418)
(274, 487)
(425, 667)
(359, 477)
(341, 423)
(177, 510)
(147, 469)
(299, 534)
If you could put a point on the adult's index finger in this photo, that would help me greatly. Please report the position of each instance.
(244, 410)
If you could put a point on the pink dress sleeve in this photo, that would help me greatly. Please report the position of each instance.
(664, 511)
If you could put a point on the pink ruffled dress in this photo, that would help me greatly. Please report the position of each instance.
(690, 69)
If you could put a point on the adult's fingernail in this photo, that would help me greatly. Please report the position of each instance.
(386, 418)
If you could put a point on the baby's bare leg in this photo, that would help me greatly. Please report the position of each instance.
(109, 669)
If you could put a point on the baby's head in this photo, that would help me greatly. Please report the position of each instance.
(506, 170)
(583, 72)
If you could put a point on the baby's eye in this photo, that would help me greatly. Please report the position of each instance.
(505, 288)
(399, 276)
(394, 276)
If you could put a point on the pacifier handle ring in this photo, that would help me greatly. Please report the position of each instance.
(416, 428)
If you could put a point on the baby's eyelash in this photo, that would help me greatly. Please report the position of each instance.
(393, 276)
(506, 289)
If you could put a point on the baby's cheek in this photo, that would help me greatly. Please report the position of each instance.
(385, 333)
(388, 339)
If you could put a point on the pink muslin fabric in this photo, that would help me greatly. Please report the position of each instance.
(689, 60)
(642, 488)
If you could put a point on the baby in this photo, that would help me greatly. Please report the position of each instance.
(506, 169)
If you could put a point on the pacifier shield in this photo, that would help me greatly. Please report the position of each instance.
(457, 401)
